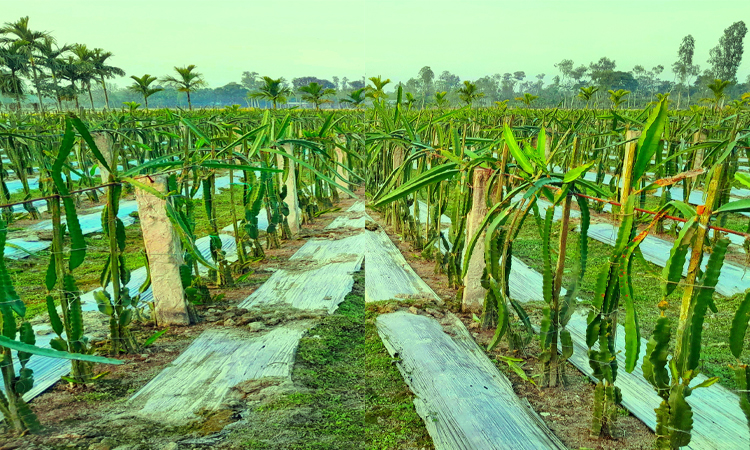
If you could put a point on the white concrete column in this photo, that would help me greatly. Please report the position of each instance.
(341, 171)
(164, 255)
(103, 142)
(473, 296)
(291, 200)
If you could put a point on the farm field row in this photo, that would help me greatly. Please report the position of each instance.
(547, 237)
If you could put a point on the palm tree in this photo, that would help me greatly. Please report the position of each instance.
(502, 105)
(69, 69)
(527, 99)
(272, 90)
(29, 41)
(8, 85)
(186, 81)
(355, 98)
(587, 93)
(440, 98)
(617, 97)
(48, 57)
(468, 93)
(142, 86)
(86, 70)
(101, 69)
(13, 56)
(314, 93)
(717, 87)
(410, 100)
(132, 106)
(376, 91)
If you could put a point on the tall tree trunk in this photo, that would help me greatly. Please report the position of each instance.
(36, 86)
(91, 97)
(106, 96)
(16, 89)
(57, 91)
(190, 105)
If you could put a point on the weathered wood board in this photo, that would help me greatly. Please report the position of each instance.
(465, 401)
(202, 377)
(387, 273)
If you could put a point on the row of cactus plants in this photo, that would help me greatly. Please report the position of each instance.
(437, 154)
(192, 158)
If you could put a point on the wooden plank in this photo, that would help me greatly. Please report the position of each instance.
(465, 401)
(320, 279)
(388, 274)
(202, 377)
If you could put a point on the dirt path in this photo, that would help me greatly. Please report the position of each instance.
(98, 416)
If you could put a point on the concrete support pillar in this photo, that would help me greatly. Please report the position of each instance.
(104, 143)
(698, 138)
(341, 171)
(164, 255)
(474, 293)
(292, 201)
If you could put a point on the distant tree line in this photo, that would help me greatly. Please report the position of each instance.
(35, 71)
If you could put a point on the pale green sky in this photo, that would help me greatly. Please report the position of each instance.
(323, 38)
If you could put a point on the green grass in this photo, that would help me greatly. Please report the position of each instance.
(28, 274)
(348, 394)
(391, 420)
